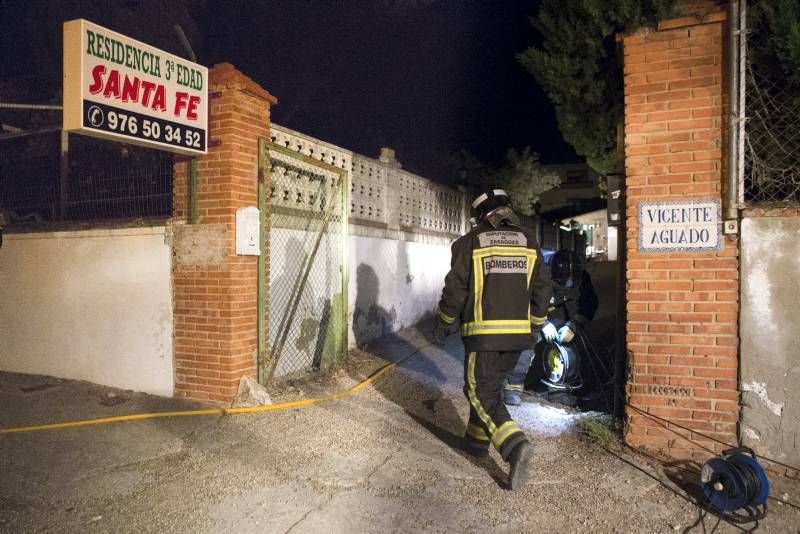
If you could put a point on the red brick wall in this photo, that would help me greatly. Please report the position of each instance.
(682, 325)
(215, 296)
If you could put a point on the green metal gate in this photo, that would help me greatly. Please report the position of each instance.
(306, 230)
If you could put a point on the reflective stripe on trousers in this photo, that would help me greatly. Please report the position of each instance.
(485, 373)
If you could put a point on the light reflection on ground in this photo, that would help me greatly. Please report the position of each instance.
(544, 418)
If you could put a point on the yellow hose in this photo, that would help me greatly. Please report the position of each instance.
(215, 411)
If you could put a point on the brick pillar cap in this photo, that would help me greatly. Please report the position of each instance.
(702, 13)
(229, 77)
(691, 13)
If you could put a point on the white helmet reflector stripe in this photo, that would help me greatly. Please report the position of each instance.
(497, 192)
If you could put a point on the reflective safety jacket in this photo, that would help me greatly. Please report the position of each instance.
(498, 286)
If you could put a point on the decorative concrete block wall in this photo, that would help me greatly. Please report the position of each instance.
(400, 229)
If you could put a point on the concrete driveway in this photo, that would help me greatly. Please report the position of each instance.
(383, 460)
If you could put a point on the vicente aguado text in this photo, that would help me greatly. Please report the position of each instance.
(689, 225)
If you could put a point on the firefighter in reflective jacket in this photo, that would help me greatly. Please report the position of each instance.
(499, 289)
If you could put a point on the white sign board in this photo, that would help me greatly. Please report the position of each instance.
(121, 89)
(248, 224)
(680, 225)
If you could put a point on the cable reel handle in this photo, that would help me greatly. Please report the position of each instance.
(738, 450)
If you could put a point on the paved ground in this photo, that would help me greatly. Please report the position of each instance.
(384, 460)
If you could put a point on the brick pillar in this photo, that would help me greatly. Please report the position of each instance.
(215, 310)
(682, 329)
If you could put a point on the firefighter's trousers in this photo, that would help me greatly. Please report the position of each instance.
(516, 378)
(489, 420)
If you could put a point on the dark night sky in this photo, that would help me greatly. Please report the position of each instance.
(424, 77)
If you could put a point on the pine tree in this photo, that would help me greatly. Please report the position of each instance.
(579, 68)
(774, 39)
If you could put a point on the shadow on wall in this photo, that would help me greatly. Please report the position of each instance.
(370, 320)
(375, 328)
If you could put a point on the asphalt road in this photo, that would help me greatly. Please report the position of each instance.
(383, 460)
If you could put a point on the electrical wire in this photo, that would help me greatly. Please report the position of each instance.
(597, 377)
(587, 344)
(706, 436)
(719, 516)
(666, 486)
(713, 453)
(52, 107)
(704, 510)
(701, 434)
(750, 481)
(696, 472)
(665, 424)
(748, 476)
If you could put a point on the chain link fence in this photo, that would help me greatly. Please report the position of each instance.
(96, 180)
(772, 111)
(308, 264)
(47, 177)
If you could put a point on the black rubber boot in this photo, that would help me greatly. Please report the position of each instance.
(512, 397)
(519, 459)
(474, 448)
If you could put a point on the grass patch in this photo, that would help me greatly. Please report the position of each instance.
(600, 430)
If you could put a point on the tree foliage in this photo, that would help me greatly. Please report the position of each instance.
(774, 38)
(524, 179)
(468, 171)
(579, 68)
(521, 175)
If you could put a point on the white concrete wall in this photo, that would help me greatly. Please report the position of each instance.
(394, 283)
(770, 336)
(92, 305)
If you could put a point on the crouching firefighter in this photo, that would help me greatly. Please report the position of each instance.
(573, 304)
(499, 288)
(574, 301)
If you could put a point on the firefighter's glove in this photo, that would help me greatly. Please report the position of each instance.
(566, 333)
(440, 331)
(549, 332)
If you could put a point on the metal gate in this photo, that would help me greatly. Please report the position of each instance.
(307, 282)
